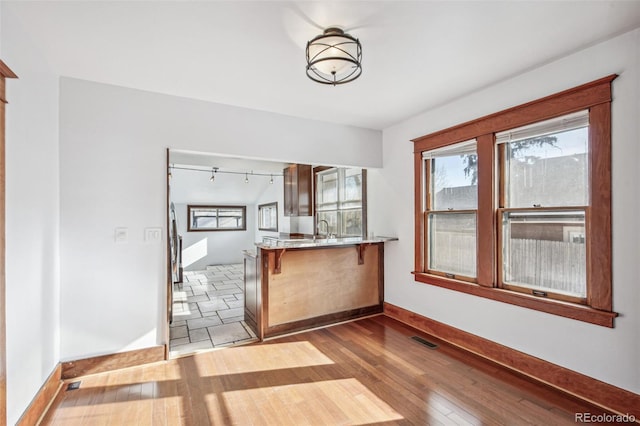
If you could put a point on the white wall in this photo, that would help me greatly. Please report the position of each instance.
(610, 355)
(112, 174)
(201, 249)
(32, 228)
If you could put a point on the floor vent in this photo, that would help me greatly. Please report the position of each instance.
(73, 386)
(424, 342)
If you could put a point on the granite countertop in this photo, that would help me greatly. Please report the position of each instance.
(271, 244)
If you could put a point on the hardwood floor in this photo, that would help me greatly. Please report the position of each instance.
(364, 372)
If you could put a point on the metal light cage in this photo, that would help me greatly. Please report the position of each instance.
(334, 45)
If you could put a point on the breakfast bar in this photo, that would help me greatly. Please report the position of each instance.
(302, 284)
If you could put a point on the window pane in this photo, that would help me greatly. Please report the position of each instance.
(339, 201)
(268, 217)
(212, 218)
(327, 190)
(545, 251)
(230, 218)
(352, 185)
(454, 182)
(351, 221)
(550, 171)
(452, 243)
(205, 222)
(332, 220)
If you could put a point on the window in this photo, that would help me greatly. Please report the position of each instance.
(451, 205)
(340, 201)
(217, 218)
(545, 196)
(268, 217)
(521, 211)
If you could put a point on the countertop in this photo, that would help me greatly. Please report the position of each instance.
(271, 244)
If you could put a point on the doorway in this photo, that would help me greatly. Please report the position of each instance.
(213, 203)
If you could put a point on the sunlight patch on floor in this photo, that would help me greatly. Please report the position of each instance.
(345, 402)
(246, 359)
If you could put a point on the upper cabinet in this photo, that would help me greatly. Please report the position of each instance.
(297, 190)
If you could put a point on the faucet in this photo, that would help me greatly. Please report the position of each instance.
(326, 234)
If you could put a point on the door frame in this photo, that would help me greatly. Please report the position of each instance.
(5, 73)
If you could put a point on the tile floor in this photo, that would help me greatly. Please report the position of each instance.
(208, 310)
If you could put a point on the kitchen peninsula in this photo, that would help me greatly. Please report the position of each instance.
(292, 285)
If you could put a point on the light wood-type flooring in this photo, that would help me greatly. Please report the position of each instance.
(363, 372)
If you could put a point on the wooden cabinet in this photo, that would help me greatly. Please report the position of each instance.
(252, 291)
(297, 190)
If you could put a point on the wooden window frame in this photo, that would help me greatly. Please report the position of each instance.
(594, 96)
(265, 227)
(428, 209)
(216, 206)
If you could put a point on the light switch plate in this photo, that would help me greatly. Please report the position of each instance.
(152, 235)
(121, 235)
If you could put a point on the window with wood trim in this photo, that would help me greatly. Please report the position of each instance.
(217, 218)
(516, 206)
(450, 213)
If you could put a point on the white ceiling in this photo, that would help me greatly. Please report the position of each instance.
(416, 55)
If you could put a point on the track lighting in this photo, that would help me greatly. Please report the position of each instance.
(214, 171)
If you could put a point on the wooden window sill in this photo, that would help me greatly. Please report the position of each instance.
(555, 307)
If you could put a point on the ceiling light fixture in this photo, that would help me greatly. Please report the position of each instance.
(246, 178)
(213, 174)
(334, 57)
(271, 179)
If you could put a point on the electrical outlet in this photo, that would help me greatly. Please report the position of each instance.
(152, 235)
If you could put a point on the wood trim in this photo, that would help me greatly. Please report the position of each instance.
(100, 364)
(486, 224)
(320, 321)
(6, 72)
(3, 314)
(215, 206)
(599, 250)
(587, 388)
(597, 97)
(555, 307)
(264, 290)
(419, 221)
(43, 399)
(575, 99)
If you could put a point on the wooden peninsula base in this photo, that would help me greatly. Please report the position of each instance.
(304, 287)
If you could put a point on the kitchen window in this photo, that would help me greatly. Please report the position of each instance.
(516, 206)
(268, 217)
(217, 218)
(340, 201)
